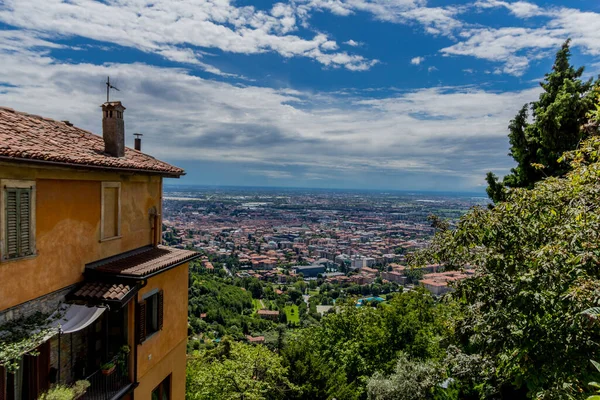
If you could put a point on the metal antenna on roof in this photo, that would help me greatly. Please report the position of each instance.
(108, 87)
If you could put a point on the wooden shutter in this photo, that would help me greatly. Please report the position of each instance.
(18, 223)
(160, 310)
(141, 322)
(2, 384)
(12, 223)
(25, 222)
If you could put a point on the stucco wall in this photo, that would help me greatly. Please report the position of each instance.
(68, 227)
(156, 354)
(174, 364)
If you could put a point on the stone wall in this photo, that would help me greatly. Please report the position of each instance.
(72, 356)
(46, 304)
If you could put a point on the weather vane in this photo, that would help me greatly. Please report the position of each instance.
(108, 87)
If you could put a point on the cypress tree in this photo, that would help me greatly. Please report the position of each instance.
(555, 126)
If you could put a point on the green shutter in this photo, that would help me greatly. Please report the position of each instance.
(12, 224)
(18, 222)
(25, 221)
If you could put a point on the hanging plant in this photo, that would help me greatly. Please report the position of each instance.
(21, 337)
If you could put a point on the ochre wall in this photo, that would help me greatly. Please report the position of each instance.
(68, 227)
(164, 352)
(174, 364)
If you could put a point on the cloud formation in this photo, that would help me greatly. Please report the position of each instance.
(445, 131)
(173, 29)
(516, 47)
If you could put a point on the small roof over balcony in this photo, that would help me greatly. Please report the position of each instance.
(117, 294)
(141, 263)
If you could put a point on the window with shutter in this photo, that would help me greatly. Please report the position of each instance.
(150, 315)
(160, 310)
(18, 226)
(141, 322)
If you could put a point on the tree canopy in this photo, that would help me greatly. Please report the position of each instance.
(543, 130)
(537, 257)
(235, 371)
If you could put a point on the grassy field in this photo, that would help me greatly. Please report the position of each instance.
(292, 316)
(256, 305)
(313, 292)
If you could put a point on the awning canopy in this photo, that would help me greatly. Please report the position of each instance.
(76, 317)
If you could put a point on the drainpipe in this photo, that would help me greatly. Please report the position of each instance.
(135, 343)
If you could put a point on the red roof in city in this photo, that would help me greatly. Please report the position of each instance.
(267, 312)
(26, 137)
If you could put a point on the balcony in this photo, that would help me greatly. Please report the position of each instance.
(109, 386)
(86, 354)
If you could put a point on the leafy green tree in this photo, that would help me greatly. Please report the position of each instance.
(555, 127)
(335, 359)
(537, 257)
(412, 380)
(236, 370)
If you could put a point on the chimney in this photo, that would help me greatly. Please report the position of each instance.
(138, 141)
(113, 128)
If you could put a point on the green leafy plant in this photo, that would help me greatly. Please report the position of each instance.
(536, 262)
(23, 336)
(62, 392)
(121, 359)
(595, 385)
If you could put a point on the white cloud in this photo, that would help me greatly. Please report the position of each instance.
(521, 9)
(453, 132)
(271, 173)
(435, 20)
(417, 60)
(431, 69)
(515, 47)
(353, 43)
(505, 45)
(169, 28)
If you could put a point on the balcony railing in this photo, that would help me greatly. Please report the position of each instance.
(108, 386)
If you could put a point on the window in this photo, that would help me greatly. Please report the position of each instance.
(163, 391)
(150, 314)
(18, 219)
(110, 225)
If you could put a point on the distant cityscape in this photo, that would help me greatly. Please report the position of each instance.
(340, 236)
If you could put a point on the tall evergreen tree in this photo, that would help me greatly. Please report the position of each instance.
(555, 127)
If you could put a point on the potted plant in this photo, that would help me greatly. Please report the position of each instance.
(122, 359)
(108, 368)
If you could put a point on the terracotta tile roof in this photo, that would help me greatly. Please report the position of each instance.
(30, 137)
(145, 261)
(267, 312)
(102, 291)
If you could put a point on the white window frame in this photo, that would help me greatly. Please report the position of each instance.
(110, 185)
(16, 184)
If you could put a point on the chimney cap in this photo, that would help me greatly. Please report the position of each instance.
(113, 105)
(138, 135)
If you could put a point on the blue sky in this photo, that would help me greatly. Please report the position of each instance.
(367, 94)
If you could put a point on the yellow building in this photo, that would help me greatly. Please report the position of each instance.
(81, 263)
